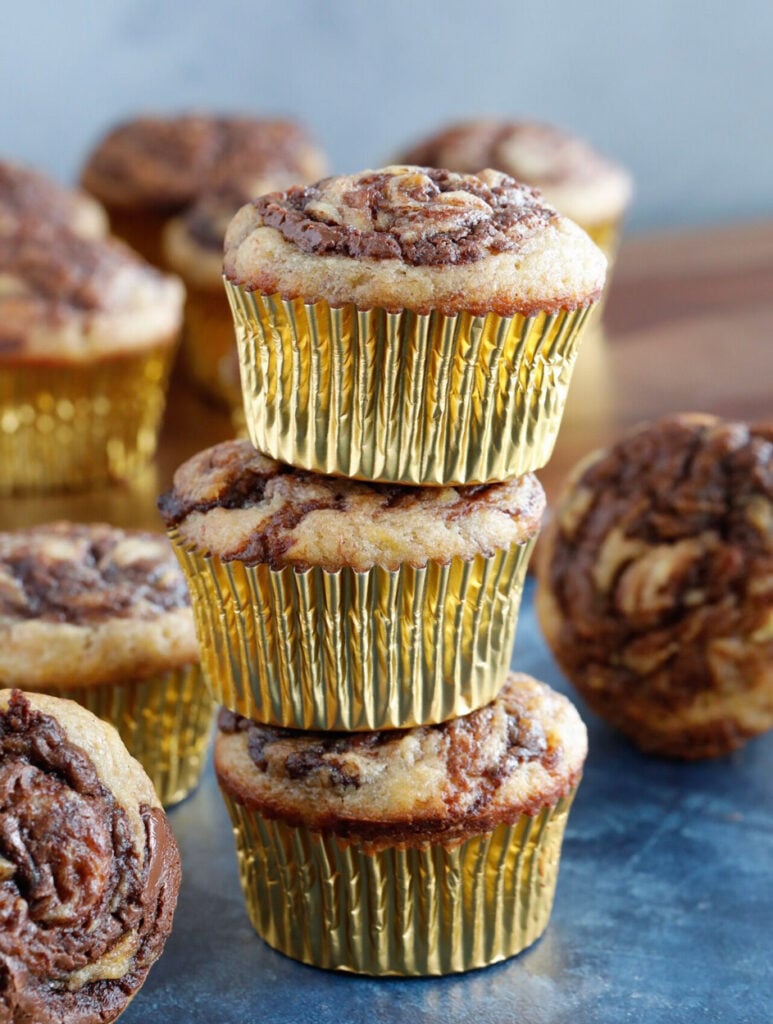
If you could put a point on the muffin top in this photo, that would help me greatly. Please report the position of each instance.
(656, 581)
(577, 179)
(75, 298)
(446, 782)
(166, 163)
(415, 238)
(26, 194)
(233, 502)
(89, 867)
(87, 603)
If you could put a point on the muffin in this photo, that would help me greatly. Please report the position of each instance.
(88, 333)
(408, 325)
(278, 154)
(103, 616)
(426, 851)
(325, 603)
(579, 181)
(25, 192)
(89, 869)
(656, 584)
(149, 169)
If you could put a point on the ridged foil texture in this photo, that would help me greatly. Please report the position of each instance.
(353, 650)
(165, 722)
(70, 426)
(403, 397)
(209, 346)
(416, 911)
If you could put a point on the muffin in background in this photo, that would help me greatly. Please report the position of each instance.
(25, 192)
(580, 182)
(88, 331)
(90, 869)
(426, 851)
(193, 247)
(325, 603)
(102, 616)
(655, 584)
(150, 168)
(408, 325)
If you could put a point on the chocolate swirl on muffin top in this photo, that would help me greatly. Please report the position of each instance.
(69, 573)
(518, 754)
(657, 582)
(88, 883)
(166, 163)
(422, 216)
(235, 503)
(415, 238)
(28, 195)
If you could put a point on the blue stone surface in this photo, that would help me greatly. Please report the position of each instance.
(663, 912)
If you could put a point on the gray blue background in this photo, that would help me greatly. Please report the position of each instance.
(679, 90)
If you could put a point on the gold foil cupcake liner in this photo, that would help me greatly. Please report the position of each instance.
(416, 911)
(353, 650)
(209, 346)
(70, 426)
(403, 397)
(165, 721)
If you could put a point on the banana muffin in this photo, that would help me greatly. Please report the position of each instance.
(89, 867)
(578, 180)
(103, 616)
(25, 193)
(656, 584)
(149, 169)
(329, 603)
(423, 851)
(87, 334)
(408, 325)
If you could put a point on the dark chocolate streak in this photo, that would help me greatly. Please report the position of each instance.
(512, 215)
(92, 587)
(668, 483)
(75, 885)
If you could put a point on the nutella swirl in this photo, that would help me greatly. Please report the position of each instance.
(661, 567)
(83, 914)
(79, 574)
(422, 216)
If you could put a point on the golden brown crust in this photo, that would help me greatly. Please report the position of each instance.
(90, 868)
(656, 584)
(414, 238)
(167, 163)
(577, 179)
(235, 503)
(409, 787)
(89, 604)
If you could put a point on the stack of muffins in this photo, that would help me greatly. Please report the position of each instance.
(406, 340)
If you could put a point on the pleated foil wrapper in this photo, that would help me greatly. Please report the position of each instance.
(417, 911)
(165, 721)
(70, 426)
(403, 397)
(355, 651)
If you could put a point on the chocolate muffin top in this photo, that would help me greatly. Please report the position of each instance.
(415, 238)
(67, 297)
(82, 604)
(89, 868)
(577, 179)
(411, 786)
(235, 503)
(656, 583)
(26, 194)
(166, 163)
